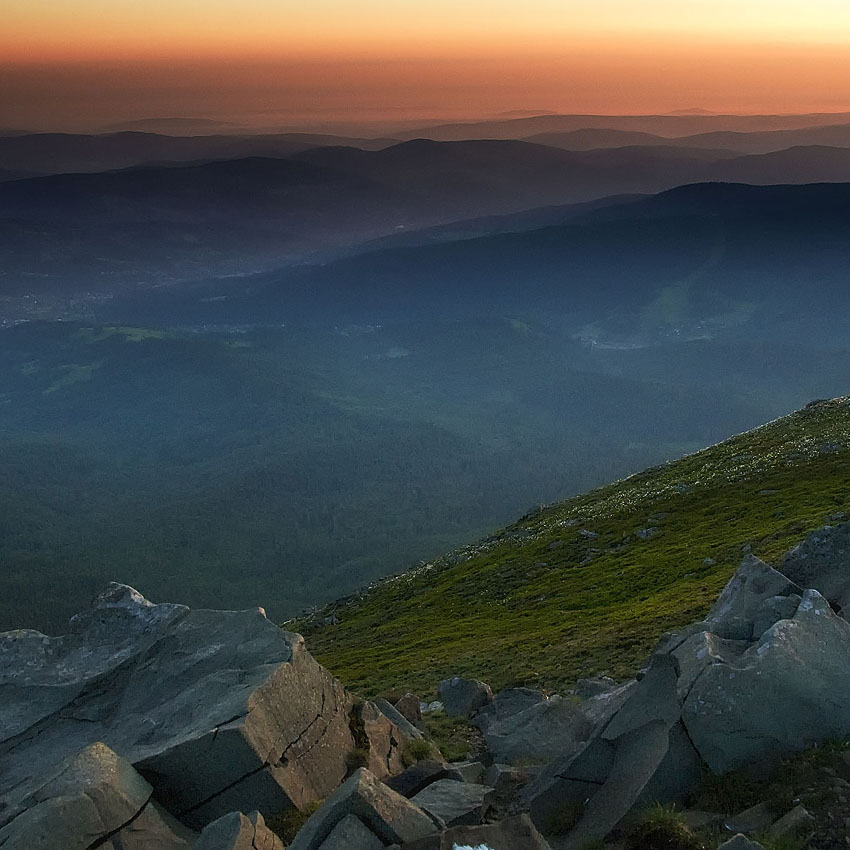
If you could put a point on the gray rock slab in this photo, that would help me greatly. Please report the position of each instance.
(505, 704)
(463, 697)
(639, 754)
(91, 796)
(822, 562)
(469, 771)
(352, 834)
(398, 719)
(417, 777)
(655, 697)
(754, 819)
(220, 710)
(534, 735)
(409, 706)
(455, 803)
(393, 818)
(788, 691)
(752, 584)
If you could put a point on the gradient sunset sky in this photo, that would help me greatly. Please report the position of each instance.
(91, 62)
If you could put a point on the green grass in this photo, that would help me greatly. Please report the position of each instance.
(573, 590)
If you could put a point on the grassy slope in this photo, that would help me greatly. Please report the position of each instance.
(546, 602)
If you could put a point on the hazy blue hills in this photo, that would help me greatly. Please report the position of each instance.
(165, 223)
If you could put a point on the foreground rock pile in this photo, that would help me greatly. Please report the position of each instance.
(156, 726)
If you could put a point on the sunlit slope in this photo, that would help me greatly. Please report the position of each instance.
(588, 585)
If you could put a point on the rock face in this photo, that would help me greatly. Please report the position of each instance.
(218, 710)
(822, 562)
(94, 796)
(767, 673)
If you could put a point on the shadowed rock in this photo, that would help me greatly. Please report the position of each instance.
(219, 710)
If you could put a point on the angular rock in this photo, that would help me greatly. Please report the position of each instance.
(352, 834)
(393, 818)
(235, 831)
(90, 797)
(794, 827)
(220, 710)
(822, 562)
(637, 757)
(418, 776)
(754, 819)
(505, 704)
(516, 833)
(739, 603)
(533, 735)
(470, 771)
(786, 692)
(380, 737)
(408, 706)
(398, 719)
(455, 803)
(463, 697)
(504, 777)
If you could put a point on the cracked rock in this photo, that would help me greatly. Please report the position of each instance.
(220, 711)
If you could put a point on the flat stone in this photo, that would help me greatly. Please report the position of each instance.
(455, 803)
(398, 719)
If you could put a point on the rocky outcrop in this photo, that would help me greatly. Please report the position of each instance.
(767, 673)
(94, 798)
(220, 711)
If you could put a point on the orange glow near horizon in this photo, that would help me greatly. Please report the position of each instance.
(441, 57)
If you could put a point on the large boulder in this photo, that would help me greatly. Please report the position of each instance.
(389, 816)
(765, 674)
(93, 798)
(220, 711)
(822, 562)
(463, 697)
(789, 690)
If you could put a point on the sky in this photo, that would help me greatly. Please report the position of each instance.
(96, 62)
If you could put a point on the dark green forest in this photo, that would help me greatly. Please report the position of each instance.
(287, 466)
